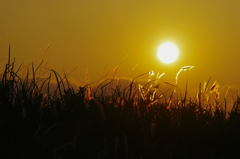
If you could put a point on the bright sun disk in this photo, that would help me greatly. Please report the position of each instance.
(167, 52)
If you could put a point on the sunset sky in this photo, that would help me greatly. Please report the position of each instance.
(100, 34)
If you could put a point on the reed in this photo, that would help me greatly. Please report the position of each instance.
(111, 120)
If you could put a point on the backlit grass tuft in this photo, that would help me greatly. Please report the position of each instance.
(112, 120)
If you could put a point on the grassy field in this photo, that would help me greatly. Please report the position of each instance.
(111, 120)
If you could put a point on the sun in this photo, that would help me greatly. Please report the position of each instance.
(167, 52)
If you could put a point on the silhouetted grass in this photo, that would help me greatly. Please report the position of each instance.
(111, 121)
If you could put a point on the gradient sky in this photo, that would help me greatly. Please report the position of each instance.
(99, 34)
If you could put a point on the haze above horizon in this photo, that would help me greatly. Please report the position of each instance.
(98, 35)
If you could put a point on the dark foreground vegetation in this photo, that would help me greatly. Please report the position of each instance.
(111, 121)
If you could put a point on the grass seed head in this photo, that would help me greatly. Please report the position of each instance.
(184, 68)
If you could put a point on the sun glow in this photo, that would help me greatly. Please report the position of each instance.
(167, 52)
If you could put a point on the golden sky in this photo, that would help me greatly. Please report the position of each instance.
(99, 34)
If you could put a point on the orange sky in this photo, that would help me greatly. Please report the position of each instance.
(98, 34)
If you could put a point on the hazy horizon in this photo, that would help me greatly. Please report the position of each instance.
(99, 35)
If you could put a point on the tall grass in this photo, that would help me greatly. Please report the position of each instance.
(111, 120)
